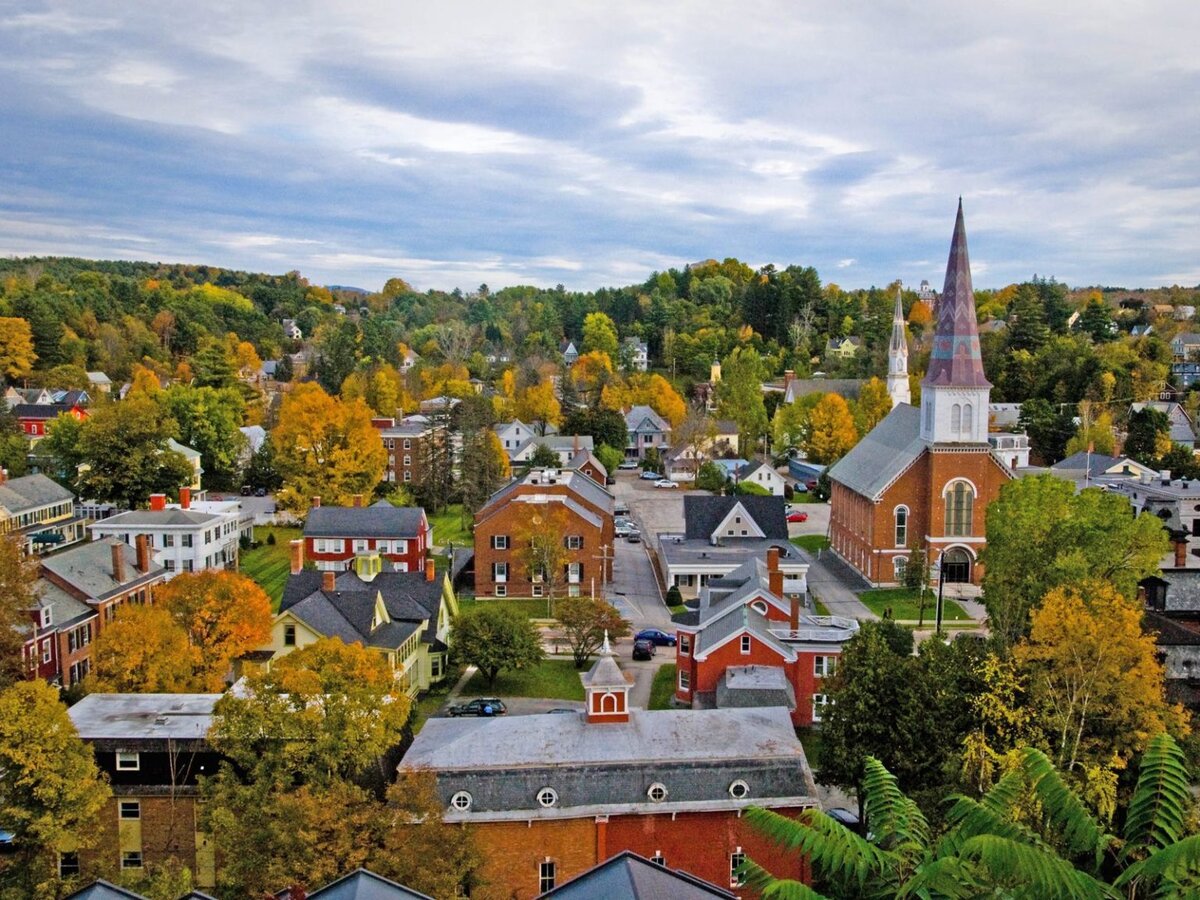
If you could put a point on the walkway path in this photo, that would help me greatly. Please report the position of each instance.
(833, 582)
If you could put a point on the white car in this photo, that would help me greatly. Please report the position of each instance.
(665, 483)
(628, 464)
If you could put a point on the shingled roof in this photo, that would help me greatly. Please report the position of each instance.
(956, 359)
(884, 452)
(31, 491)
(346, 611)
(628, 876)
(702, 514)
(379, 520)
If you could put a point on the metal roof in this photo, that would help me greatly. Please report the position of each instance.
(887, 450)
(144, 716)
(628, 876)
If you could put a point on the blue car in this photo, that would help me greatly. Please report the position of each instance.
(649, 476)
(656, 637)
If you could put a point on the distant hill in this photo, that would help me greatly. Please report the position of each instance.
(346, 289)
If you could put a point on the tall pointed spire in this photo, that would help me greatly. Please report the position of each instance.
(956, 360)
(897, 379)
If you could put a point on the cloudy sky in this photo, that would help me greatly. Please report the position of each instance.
(590, 143)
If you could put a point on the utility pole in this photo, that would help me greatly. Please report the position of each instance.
(604, 558)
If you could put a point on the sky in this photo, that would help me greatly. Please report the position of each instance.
(591, 143)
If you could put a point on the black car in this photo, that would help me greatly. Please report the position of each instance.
(643, 650)
(656, 637)
(261, 492)
(480, 706)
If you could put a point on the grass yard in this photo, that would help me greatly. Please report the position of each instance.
(903, 602)
(529, 607)
(804, 497)
(820, 608)
(448, 527)
(811, 542)
(554, 679)
(662, 689)
(810, 738)
(270, 564)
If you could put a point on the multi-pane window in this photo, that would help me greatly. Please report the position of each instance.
(685, 680)
(500, 571)
(745, 643)
(131, 809)
(685, 644)
(546, 876)
(960, 507)
(901, 526)
(574, 542)
(735, 863)
(819, 702)
(499, 541)
(127, 761)
(131, 859)
(68, 864)
(658, 859)
(289, 635)
(824, 666)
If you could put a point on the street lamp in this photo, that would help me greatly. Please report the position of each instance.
(941, 584)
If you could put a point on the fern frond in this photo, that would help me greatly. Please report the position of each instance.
(1080, 830)
(835, 852)
(771, 888)
(896, 820)
(1175, 863)
(1032, 872)
(968, 818)
(1158, 810)
(946, 877)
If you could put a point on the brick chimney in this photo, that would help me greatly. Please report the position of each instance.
(316, 501)
(774, 574)
(3, 475)
(794, 613)
(118, 562)
(1180, 552)
(329, 581)
(358, 498)
(789, 376)
(142, 543)
(158, 502)
(297, 547)
(429, 569)
(185, 498)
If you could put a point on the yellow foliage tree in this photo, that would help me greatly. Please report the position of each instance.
(247, 357)
(538, 405)
(16, 348)
(592, 371)
(831, 430)
(143, 651)
(144, 381)
(920, 315)
(649, 390)
(1095, 681)
(874, 402)
(437, 380)
(325, 448)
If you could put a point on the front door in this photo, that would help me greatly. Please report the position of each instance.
(956, 566)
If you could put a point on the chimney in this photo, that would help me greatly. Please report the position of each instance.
(316, 502)
(158, 502)
(1165, 475)
(789, 376)
(328, 581)
(357, 500)
(794, 613)
(118, 562)
(185, 498)
(142, 543)
(3, 475)
(429, 569)
(297, 547)
(775, 582)
(1180, 552)
(576, 444)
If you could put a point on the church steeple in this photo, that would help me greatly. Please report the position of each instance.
(955, 391)
(897, 380)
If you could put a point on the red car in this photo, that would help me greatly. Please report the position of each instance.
(797, 516)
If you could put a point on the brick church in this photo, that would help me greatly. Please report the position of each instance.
(921, 480)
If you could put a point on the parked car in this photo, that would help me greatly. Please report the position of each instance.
(649, 476)
(797, 516)
(628, 465)
(666, 483)
(622, 526)
(656, 637)
(7, 841)
(800, 487)
(480, 706)
(643, 650)
(843, 816)
(261, 492)
(621, 509)
(634, 536)
(246, 490)
(810, 484)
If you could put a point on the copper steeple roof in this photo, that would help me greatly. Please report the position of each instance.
(956, 360)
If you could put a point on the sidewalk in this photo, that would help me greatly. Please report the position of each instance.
(834, 583)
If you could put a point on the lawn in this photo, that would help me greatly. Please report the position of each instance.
(662, 689)
(270, 564)
(529, 607)
(903, 602)
(804, 497)
(554, 679)
(820, 608)
(810, 738)
(448, 527)
(811, 542)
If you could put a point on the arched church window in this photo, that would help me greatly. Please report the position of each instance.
(901, 526)
(960, 508)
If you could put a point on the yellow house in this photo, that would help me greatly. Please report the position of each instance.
(843, 348)
(404, 615)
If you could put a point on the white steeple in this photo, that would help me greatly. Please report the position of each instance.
(897, 380)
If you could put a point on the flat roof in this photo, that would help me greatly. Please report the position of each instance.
(144, 716)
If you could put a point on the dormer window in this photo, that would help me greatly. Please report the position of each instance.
(47, 618)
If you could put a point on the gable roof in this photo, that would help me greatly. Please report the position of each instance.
(802, 387)
(88, 568)
(104, 890)
(40, 411)
(703, 514)
(379, 520)
(639, 415)
(364, 885)
(887, 450)
(31, 491)
(410, 599)
(628, 876)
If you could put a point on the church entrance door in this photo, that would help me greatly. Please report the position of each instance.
(956, 566)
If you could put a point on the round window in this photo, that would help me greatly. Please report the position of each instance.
(547, 796)
(657, 792)
(739, 789)
(461, 801)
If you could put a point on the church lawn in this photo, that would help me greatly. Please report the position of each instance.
(662, 689)
(553, 679)
(270, 564)
(448, 527)
(526, 607)
(903, 602)
(811, 542)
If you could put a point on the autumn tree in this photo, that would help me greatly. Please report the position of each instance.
(739, 395)
(18, 575)
(600, 335)
(222, 614)
(50, 792)
(143, 650)
(1042, 535)
(592, 373)
(874, 403)
(325, 448)
(1096, 433)
(538, 406)
(789, 427)
(831, 432)
(542, 547)
(642, 389)
(495, 639)
(17, 355)
(586, 621)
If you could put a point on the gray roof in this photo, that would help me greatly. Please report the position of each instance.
(802, 387)
(182, 449)
(639, 415)
(154, 518)
(1169, 632)
(346, 612)
(887, 450)
(703, 513)
(732, 552)
(40, 410)
(1183, 590)
(588, 490)
(363, 885)
(88, 568)
(628, 876)
(381, 520)
(104, 890)
(65, 610)
(144, 716)
(18, 495)
(605, 673)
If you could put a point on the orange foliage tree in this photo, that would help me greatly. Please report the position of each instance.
(143, 651)
(831, 430)
(646, 390)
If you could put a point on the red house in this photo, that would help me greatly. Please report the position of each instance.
(749, 644)
(34, 417)
(337, 538)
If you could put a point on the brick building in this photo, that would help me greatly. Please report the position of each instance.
(565, 501)
(407, 445)
(751, 643)
(152, 748)
(922, 479)
(550, 796)
(337, 538)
